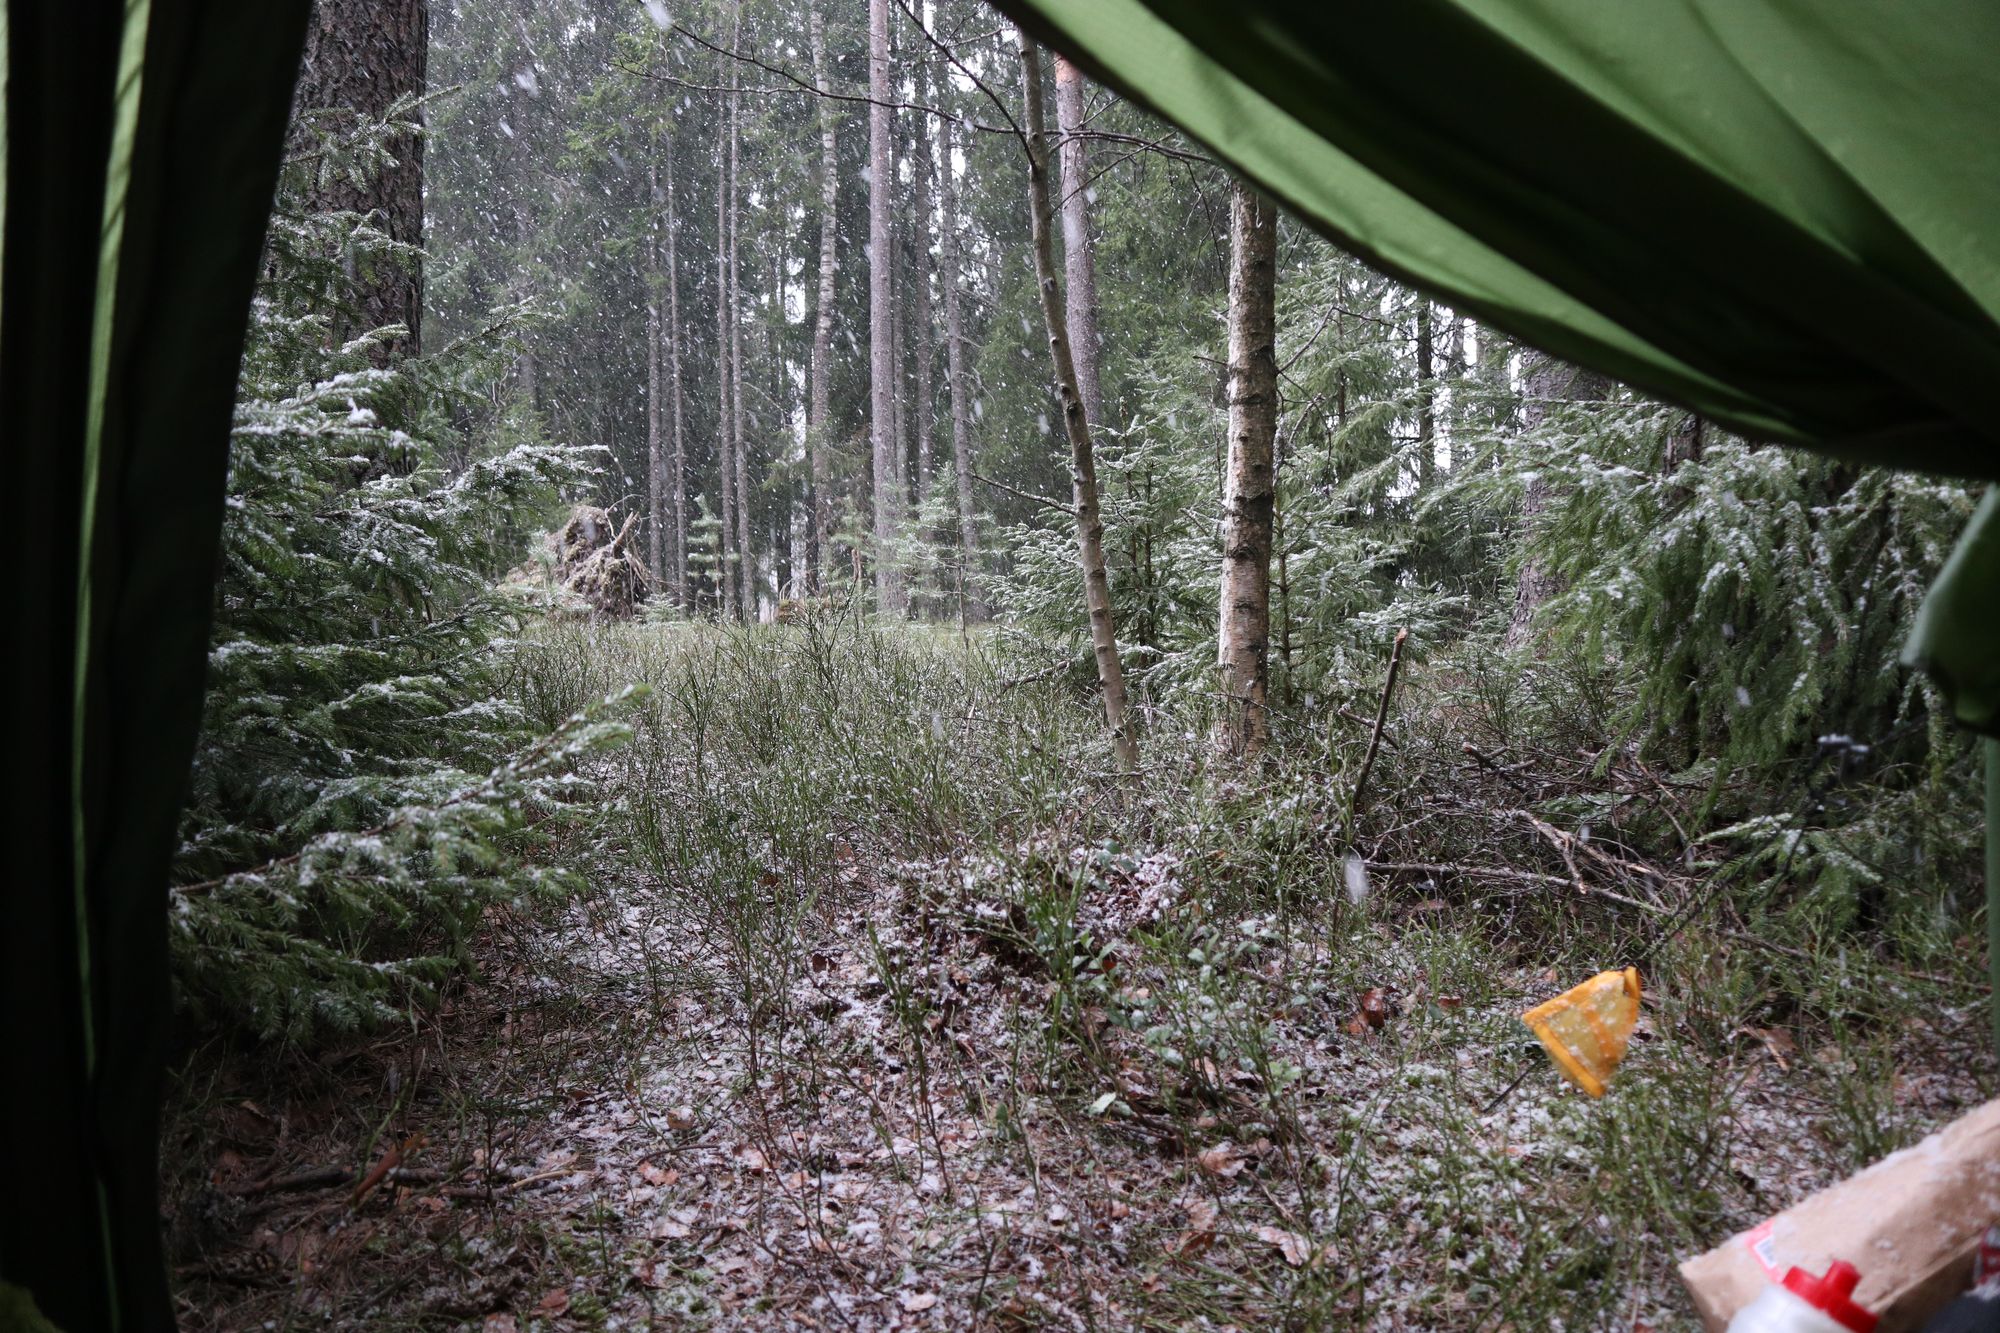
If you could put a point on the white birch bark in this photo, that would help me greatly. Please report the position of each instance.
(1076, 425)
(1243, 651)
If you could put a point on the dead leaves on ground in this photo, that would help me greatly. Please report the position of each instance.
(1295, 1248)
(1199, 1234)
(1225, 1159)
(1372, 1013)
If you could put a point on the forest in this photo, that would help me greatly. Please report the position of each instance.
(852, 687)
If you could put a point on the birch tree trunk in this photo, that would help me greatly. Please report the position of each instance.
(889, 595)
(954, 359)
(1243, 656)
(1079, 262)
(819, 408)
(1076, 425)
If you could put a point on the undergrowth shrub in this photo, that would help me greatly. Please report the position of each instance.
(362, 786)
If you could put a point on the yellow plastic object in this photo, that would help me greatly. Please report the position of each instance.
(1586, 1027)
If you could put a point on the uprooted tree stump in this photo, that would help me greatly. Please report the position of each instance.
(597, 563)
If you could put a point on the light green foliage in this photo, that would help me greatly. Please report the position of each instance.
(1762, 592)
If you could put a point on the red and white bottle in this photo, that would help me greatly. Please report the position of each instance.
(1803, 1303)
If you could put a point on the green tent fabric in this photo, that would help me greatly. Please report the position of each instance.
(1778, 212)
(141, 142)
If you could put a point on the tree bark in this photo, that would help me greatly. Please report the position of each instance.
(679, 403)
(1076, 425)
(527, 378)
(819, 409)
(889, 593)
(362, 56)
(1426, 396)
(746, 567)
(725, 371)
(656, 436)
(954, 360)
(1079, 249)
(917, 302)
(1243, 656)
(1684, 444)
(1545, 381)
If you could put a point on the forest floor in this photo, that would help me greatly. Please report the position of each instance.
(1021, 1047)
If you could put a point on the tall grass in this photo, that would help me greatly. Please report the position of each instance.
(782, 779)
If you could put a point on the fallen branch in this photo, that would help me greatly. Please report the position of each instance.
(331, 1177)
(1523, 876)
(311, 1178)
(1653, 909)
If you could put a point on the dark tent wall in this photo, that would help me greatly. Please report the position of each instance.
(142, 144)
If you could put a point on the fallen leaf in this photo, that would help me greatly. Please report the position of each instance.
(554, 1302)
(916, 1302)
(1778, 1042)
(1202, 1215)
(1224, 1160)
(500, 1322)
(1291, 1244)
(653, 1175)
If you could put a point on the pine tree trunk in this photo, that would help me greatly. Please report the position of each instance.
(656, 437)
(917, 301)
(681, 594)
(738, 440)
(1079, 264)
(1426, 396)
(954, 360)
(725, 373)
(1076, 425)
(525, 378)
(889, 595)
(363, 56)
(1545, 381)
(819, 409)
(1243, 656)
(1684, 444)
